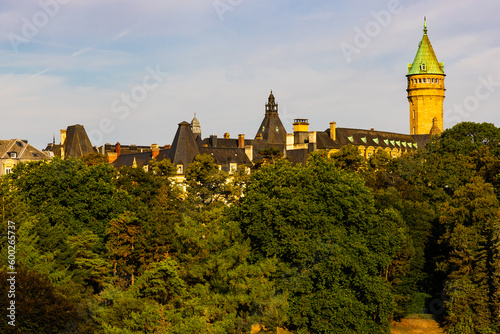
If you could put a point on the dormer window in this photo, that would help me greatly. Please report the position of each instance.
(13, 155)
(423, 67)
(180, 169)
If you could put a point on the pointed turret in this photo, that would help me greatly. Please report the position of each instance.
(425, 89)
(76, 142)
(425, 61)
(271, 129)
(184, 147)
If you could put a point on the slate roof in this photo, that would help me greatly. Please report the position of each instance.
(422, 140)
(271, 128)
(77, 143)
(184, 147)
(298, 156)
(22, 149)
(345, 136)
(226, 156)
(128, 159)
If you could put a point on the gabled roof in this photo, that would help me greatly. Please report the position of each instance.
(77, 143)
(184, 147)
(22, 149)
(425, 61)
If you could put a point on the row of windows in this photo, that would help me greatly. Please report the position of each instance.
(233, 167)
(425, 80)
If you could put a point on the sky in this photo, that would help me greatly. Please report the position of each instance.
(130, 71)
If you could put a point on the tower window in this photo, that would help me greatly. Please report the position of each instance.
(424, 80)
(413, 114)
(423, 67)
(419, 80)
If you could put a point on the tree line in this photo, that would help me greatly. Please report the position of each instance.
(343, 244)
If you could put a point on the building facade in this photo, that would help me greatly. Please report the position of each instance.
(15, 151)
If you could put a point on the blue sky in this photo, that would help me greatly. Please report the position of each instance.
(70, 62)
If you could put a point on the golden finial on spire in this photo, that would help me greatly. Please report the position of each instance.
(425, 25)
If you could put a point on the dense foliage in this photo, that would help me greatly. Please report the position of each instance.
(340, 245)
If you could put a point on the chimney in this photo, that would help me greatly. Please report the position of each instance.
(333, 130)
(155, 149)
(301, 131)
(213, 140)
(63, 137)
(372, 129)
(241, 141)
(112, 156)
(249, 152)
(118, 149)
(226, 135)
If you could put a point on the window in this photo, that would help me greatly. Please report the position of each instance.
(414, 131)
(146, 168)
(419, 80)
(13, 155)
(7, 170)
(424, 80)
(180, 169)
(413, 114)
(232, 168)
(423, 67)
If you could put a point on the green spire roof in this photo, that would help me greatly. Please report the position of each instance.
(425, 61)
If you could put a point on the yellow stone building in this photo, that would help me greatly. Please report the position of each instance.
(426, 90)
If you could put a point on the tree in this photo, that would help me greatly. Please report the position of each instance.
(466, 137)
(69, 193)
(270, 155)
(334, 250)
(349, 158)
(471, 232)
(206, 183)
(40, 306)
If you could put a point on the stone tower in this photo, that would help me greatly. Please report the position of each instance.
(195, 127)
(425, 89)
